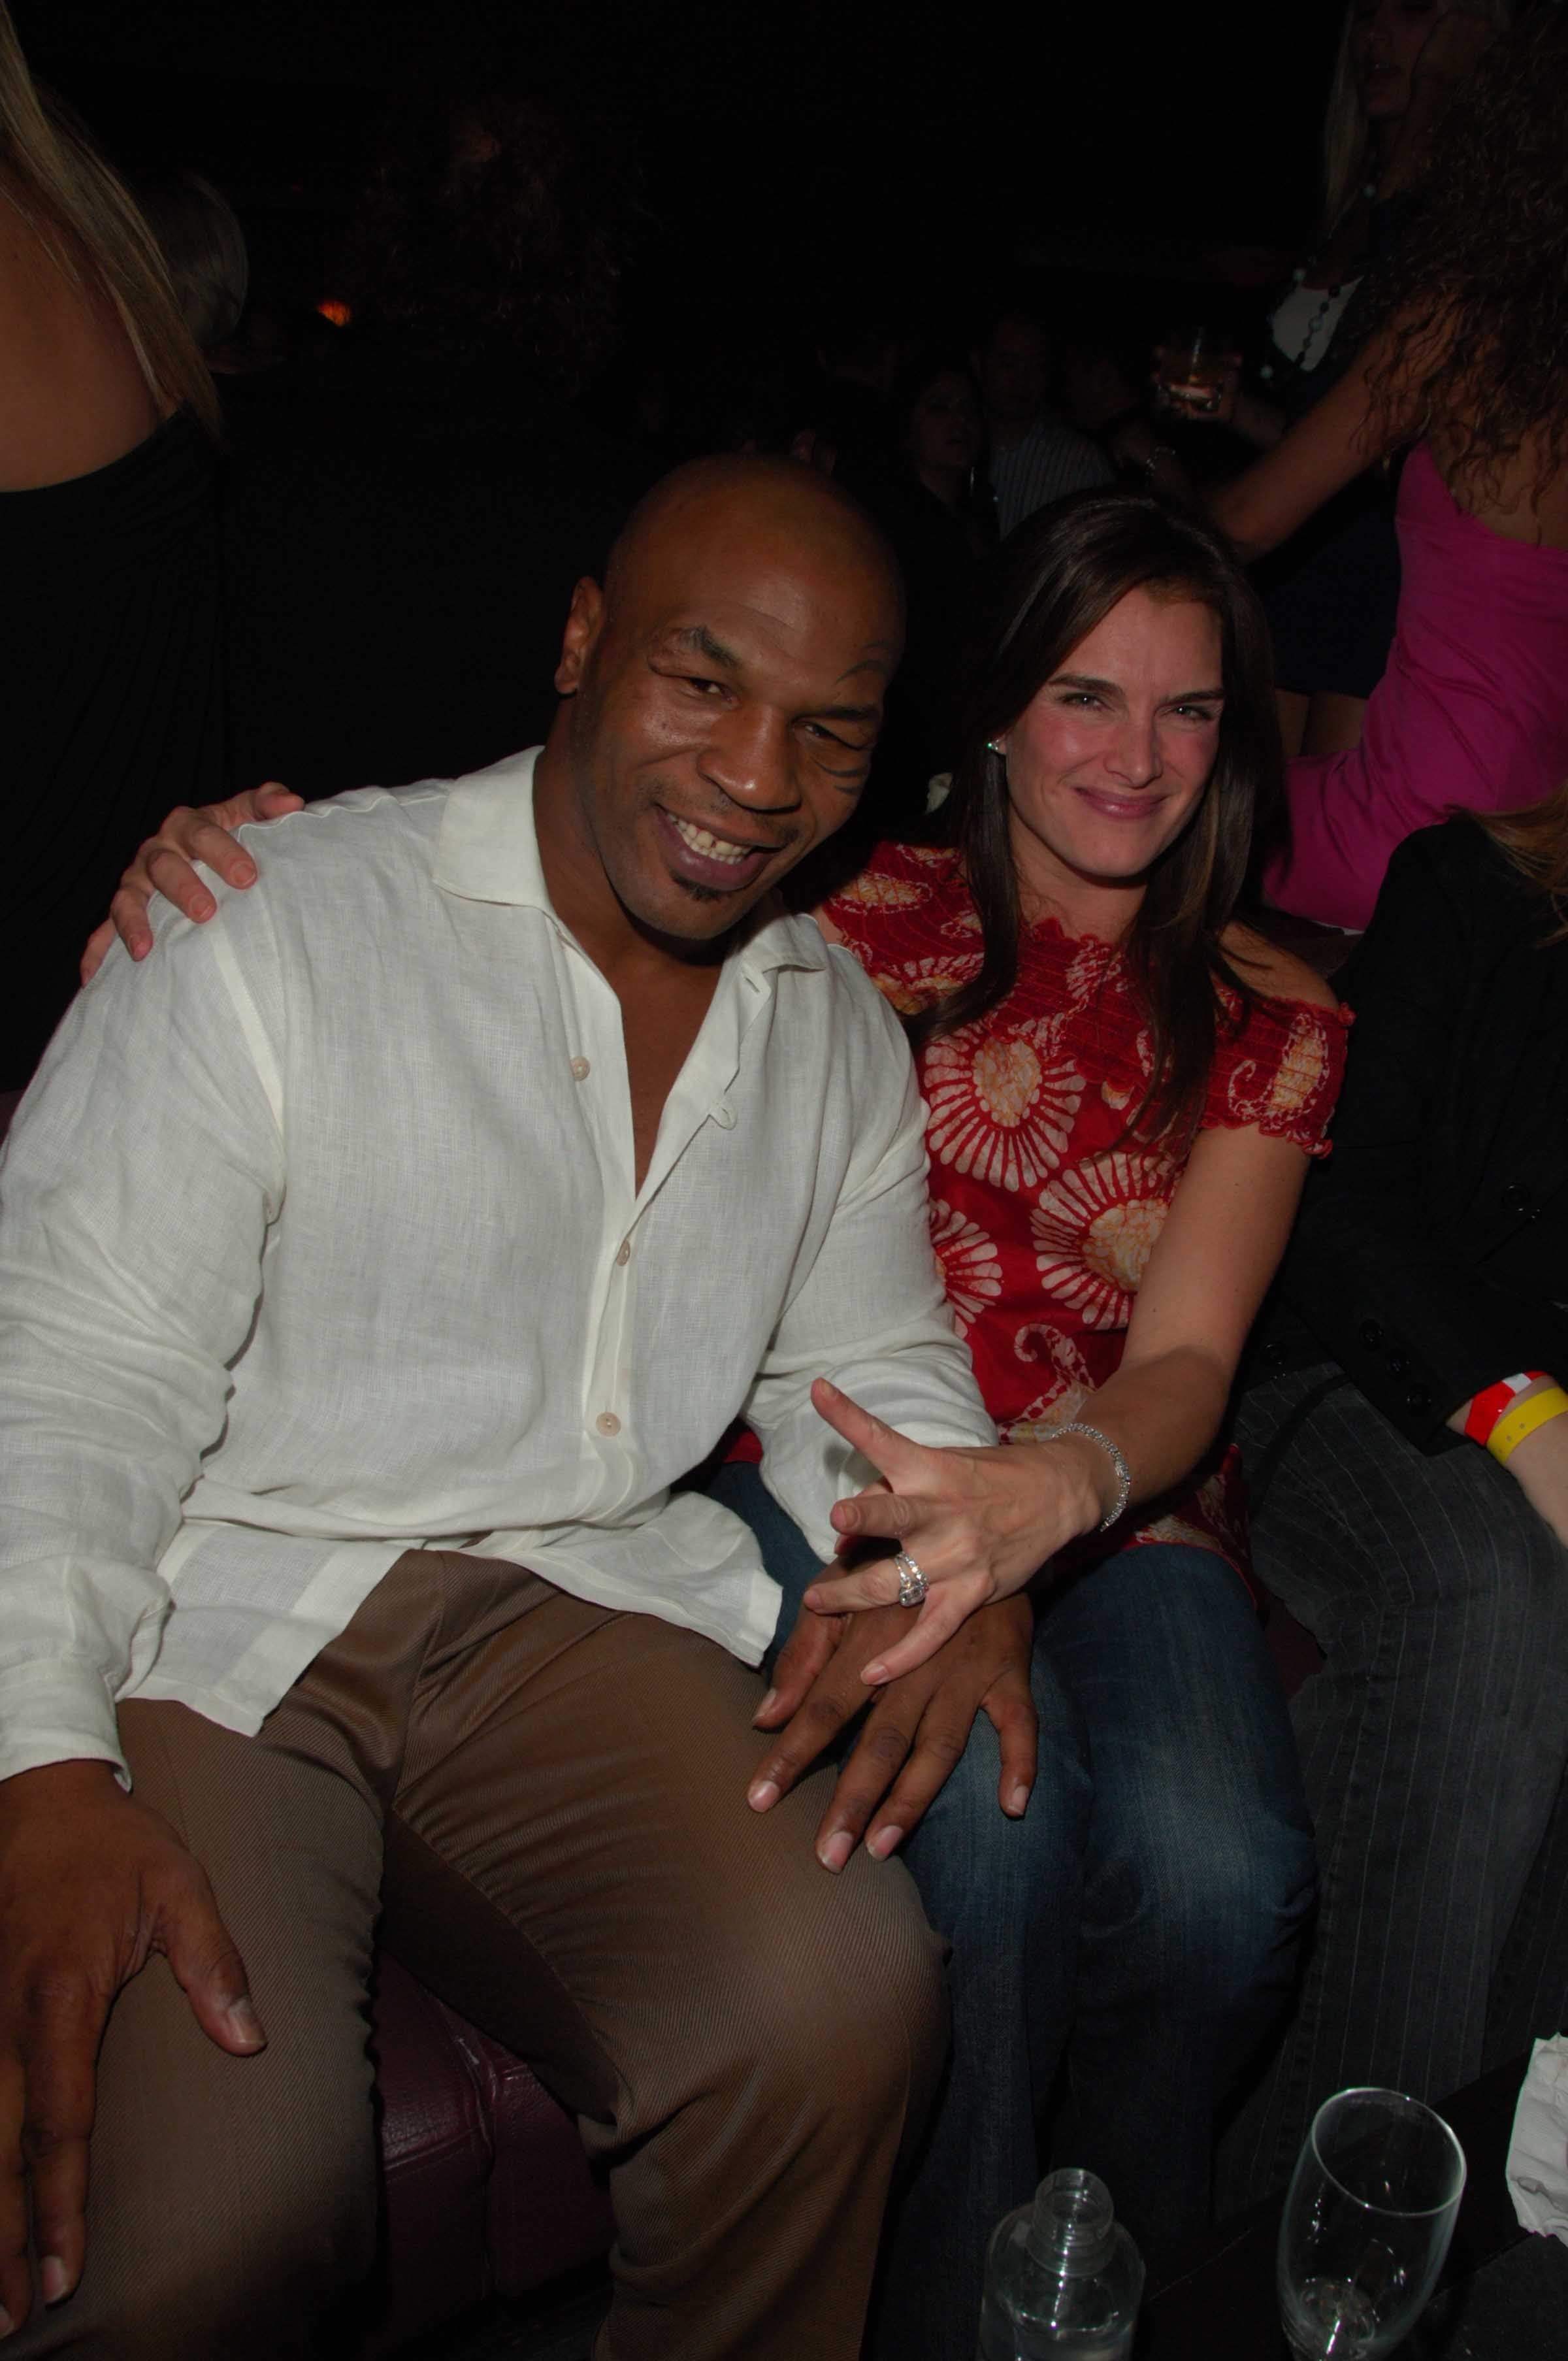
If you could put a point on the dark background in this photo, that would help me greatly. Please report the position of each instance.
(787, 158)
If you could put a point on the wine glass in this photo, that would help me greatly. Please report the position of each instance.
(1366, 2225)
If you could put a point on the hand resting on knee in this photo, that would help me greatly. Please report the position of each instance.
(92, 1883)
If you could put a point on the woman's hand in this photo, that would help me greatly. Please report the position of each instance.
(978, 1523)
(163, 865)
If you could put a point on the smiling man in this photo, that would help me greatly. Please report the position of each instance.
(371, 1266)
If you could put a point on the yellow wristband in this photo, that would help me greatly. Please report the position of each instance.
(1522, 1419)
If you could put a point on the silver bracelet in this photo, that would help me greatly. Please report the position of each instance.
(1118, 1460)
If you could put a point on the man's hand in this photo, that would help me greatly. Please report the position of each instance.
(916, 1730)
(164, 866)
(91, 1884)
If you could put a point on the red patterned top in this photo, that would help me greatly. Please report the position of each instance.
(1043, 1214)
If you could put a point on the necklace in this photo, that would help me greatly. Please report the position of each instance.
(1331, 297)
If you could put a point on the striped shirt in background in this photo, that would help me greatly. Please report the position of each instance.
(1051, 459)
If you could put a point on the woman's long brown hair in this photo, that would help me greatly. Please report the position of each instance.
(1054, 581)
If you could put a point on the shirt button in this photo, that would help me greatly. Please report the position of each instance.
(1418, 1401)
(1371, 1334)
(724, 1116)
(624, 1256)
(607, 1422)
(581, 1070)
(1397, 1364)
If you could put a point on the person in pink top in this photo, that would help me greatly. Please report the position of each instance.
(1473, 369)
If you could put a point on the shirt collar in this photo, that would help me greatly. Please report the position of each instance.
(488, 850)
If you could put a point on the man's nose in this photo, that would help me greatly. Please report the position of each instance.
(747, 756)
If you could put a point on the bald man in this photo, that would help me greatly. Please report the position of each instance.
(371, 1266)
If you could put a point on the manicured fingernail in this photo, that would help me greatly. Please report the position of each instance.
(836, 1850)
(244, 2023)
(764, 1795)
(1018, 1800)
(884, 1841)
(874, 1673)
(766, 1706)
(52, 2278)
(244, 871)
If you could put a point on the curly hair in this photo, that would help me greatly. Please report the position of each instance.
(1476, 294)
(485, 222)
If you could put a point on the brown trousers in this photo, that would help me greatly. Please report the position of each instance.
(544, 1804)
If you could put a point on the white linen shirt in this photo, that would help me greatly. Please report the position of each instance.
(319, 1242)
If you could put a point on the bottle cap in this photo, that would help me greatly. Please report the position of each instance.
(1073, 2228)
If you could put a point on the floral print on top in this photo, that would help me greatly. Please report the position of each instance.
(1044, 1212)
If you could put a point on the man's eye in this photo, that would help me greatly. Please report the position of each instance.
(694, 680)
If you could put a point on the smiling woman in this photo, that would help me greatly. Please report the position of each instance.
(1124, 1090)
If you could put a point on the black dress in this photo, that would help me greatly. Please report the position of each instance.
(110, 702)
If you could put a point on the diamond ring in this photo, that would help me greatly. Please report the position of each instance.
(910, 1581)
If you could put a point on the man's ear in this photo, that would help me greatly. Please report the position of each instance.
(585, 621)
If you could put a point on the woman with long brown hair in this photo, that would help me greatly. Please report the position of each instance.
(1125, 1090)
(108, 564)
(1471, 368)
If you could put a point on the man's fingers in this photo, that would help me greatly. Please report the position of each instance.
(805, 1654)
(1012, 1710)
(831, 1705)
(878, 1756)
(15, 2279)
(934, 1625)
(65, 2023)
(938, 1748)
(209, 1970)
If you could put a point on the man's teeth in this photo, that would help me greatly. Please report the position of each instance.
(712, 848)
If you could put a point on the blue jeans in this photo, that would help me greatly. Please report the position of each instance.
(1435, 1749)
(1140, 1924)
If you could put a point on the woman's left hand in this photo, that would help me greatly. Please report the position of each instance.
(978, 1523)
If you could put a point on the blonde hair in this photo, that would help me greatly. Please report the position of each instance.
(1347, 134)
(53, 176)
(1536, 841)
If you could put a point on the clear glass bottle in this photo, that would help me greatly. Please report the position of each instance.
(1063, 2278)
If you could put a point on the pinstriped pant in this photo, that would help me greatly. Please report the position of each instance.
(1435, 1749)
(547, 1800)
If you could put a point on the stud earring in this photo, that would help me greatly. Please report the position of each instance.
(991, 747)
